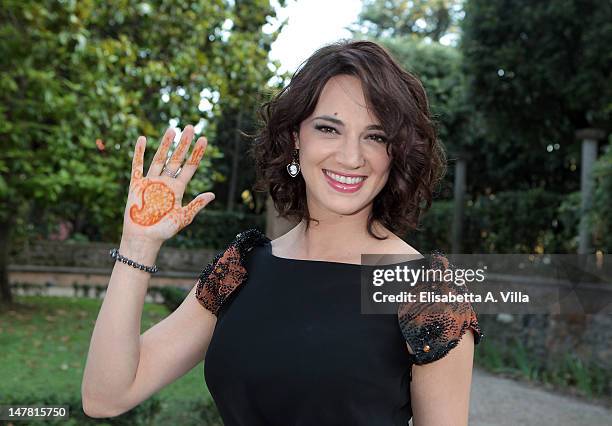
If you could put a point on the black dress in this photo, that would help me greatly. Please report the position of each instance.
(291, 347)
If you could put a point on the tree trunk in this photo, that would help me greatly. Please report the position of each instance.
(6, 226)
(231, 195)
(459, 205)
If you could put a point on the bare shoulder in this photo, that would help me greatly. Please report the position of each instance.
(399, 246)
(397, 250)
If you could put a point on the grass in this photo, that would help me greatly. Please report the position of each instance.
(44, 343)
(567, 374)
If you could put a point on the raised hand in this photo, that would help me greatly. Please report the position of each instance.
(154, 208)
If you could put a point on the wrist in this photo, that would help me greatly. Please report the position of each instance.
(141, 250)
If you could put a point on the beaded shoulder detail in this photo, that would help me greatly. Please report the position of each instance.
(433, 329)
(227, 270)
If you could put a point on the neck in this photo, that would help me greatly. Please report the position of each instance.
(334, 236)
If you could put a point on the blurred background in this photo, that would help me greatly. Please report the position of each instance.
(521, 93)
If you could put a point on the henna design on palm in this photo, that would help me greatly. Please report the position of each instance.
(157, 202)
(157, 199)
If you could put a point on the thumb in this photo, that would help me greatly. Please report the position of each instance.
(197, 204)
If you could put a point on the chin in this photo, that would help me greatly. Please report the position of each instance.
(344, 207)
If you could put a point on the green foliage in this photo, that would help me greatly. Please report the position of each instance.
(532, 221)
(516, 222)
(80, 81)
(524, 361)
(599, 216)
(172, 296)
(490, 357)
(434, 229)
(511, 357)
(538, 71)
(77, 72)
(568, 216)
(541, 62)
(591, 380)
(213, 229)
(423, 18)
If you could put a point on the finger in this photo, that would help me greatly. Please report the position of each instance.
(138, 159)
(162, 153)
(179, 153)
(190, 167)
(194, 207)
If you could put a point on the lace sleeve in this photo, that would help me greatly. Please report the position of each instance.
(433, 329)
(227, 270)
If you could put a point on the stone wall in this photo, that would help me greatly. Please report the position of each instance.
(63, 264)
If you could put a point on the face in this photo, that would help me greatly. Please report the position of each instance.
(342, 156)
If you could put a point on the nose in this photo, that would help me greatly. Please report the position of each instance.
(350, 154)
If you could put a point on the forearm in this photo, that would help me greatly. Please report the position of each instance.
(114, 350)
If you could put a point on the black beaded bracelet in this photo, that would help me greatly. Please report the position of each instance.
(115, 255)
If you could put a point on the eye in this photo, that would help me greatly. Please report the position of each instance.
(327, 129)
(381, 138)
(324, 129)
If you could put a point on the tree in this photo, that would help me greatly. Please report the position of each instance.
(246, 85)
(538, 71)
(81, 80)
(432, 19)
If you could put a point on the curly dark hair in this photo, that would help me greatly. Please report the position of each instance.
(398, 99)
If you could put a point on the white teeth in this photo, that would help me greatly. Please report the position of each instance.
(344, 179)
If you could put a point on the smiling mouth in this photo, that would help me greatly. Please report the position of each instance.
(342, 178)
(343, 183)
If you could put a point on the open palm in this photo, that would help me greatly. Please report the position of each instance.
(154, 206)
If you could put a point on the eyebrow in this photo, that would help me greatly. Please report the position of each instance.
(340, 123)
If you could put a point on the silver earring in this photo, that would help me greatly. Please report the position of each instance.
(293, 168)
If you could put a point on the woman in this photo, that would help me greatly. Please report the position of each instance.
(347, 149)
